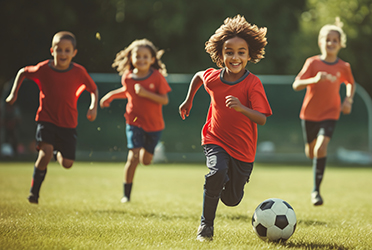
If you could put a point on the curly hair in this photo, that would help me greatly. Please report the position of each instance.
(237, 27)
(333, 27)
(123, 63)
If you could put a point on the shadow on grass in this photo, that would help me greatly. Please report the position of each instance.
(313, 245)
(311, 223)
(146, 214)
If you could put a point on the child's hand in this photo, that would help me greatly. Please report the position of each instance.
(141, 91)
(322, 75)
(233, 102)
(346, 106)
(184, 109)
(11, 99)
(92, 114)
(104, 102)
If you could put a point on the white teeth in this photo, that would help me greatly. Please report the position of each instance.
(235, 64)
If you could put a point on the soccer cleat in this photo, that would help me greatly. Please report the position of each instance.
(33, 199)
(205, 233)
(316, 199)
(124, 199)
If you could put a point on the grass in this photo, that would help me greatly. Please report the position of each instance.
(80, 208)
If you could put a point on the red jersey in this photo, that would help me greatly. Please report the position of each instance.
(59, 92)
(140, 111)
(322, 100)
(227, 128)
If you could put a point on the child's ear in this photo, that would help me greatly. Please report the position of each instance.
(75, 52)
(153, 60)
(51, 50)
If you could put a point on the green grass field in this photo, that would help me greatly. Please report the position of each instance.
(80, 208)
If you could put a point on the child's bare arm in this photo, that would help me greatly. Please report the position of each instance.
(112, 95)
(92, 111)
(348, 101)
(195, 84)
(253, 115)
(301, 84)
(12, 97)
(159, 98)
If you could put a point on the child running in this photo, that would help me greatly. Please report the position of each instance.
(322, 76)
(60, 82)
(147, 90)
(238, 104)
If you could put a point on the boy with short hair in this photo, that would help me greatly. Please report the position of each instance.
(60, 82)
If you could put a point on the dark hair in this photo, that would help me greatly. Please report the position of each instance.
(123, 63)
(64, 35)
(237, 27)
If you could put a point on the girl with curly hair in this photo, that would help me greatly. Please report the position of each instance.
(146, 89)
(238, 104)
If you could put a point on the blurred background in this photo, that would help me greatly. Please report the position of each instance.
(181, 28)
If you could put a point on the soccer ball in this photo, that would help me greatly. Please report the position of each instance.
(274, 220)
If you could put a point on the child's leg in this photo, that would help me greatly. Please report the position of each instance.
(40, 170)
(239, 174)
(131, 165)
(309, 149)
(66, 163)
(217, 162)
(151, 139)
(65, 142)
(319, 162)
(129, 170)
(145, 157)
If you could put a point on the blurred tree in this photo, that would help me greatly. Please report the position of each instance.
(104, 27)
(357, 18)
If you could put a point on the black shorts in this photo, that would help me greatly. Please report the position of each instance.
(139, 138)
(311, 130)
(63, 139)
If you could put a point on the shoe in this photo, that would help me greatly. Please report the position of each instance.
(316, 199)
(33, 199)
(205, 233)
(124, 199)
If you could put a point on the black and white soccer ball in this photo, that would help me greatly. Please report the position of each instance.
(274, 220)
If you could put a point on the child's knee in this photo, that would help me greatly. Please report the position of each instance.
(231, 200)
(146, 162)
(67, 163)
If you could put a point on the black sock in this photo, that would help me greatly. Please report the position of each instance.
(318, 172)
(209, 209)
(127, 189)
(37, 180)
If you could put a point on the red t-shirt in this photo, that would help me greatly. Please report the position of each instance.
(140, 111)
(230, 129)
(59, 92)
(322, 100)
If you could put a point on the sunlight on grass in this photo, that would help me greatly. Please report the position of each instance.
(80, 208)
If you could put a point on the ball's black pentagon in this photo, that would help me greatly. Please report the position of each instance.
(261, 230)
(267, 204)
(289, 206)
(281, 221)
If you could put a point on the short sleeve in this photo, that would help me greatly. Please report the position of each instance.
(305, 71)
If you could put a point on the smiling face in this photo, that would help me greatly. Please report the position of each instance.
(142, 60)
(330, 44)
(63, 52)
(235, 56)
